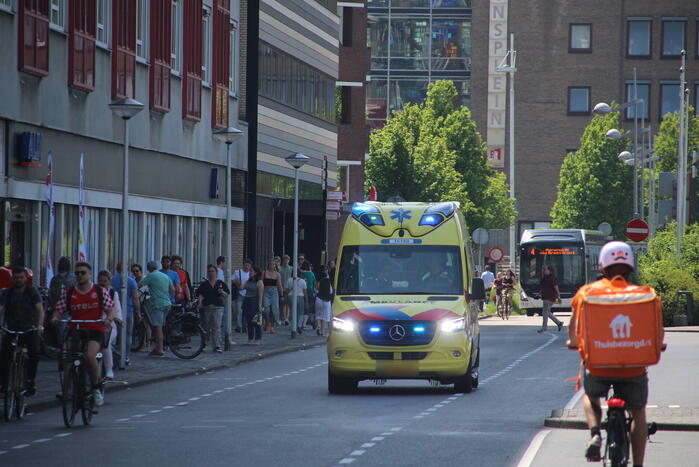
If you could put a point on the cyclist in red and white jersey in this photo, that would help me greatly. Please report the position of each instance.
(87, 301)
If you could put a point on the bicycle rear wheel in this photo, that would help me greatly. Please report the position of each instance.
(10, 392)
(88, 401)
(138, 335)
(185, 341)
(71, 395)
(20, 406)
(616, 453)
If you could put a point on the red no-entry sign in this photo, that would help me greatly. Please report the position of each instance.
(637, 230)
(495, 254)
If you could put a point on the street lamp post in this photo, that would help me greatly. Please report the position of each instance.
(125, 109)
(228, 136)
(296, 161)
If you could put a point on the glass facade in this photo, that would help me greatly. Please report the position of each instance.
(412, 43)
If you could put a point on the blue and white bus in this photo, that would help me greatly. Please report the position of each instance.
(572, 254)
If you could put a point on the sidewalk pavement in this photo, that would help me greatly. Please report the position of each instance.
(146, 370)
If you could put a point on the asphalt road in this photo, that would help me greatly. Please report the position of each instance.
(277, 412)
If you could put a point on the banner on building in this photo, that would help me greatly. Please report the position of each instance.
(82, 254)
(497, 83)
(52, 219)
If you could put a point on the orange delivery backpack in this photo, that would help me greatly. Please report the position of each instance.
(620, 325)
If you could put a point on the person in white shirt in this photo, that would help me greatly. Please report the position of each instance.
(488, 279)
(221, 268)
(241, 276)
(299, 294)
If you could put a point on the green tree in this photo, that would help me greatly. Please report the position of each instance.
(595, 186)
(666, 140)
(433, 152)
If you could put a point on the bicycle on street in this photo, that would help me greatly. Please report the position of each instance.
(15, 391)
(618, 425)
(506, 302)
(76, 386)
(182, 331)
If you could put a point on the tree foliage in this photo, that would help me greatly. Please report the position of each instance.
(595, 186)
(667, 139)
(433, 152)
(658, 268)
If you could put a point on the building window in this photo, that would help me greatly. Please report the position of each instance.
(159, 76)
(578, 101)
(643, 93)
(33, 37)
(580, 38)
(221, 66)
(58, 14)
(104, 13)
(669, 97)
(142, 15)
(674, 40)
(192, 61)
(81, 45)
(124, 44)
(206, 46)
(347, 26)
(6, 5)
(345, 110)
(233, 77)
(176, 37)
(638, 37)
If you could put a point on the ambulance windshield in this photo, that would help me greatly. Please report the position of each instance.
(400, 269)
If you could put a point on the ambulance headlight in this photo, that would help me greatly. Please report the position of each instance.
(345, 325)
(453, 325)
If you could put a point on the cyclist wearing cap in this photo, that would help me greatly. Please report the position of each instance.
(87, 301)
(615, 259)
(21, 310)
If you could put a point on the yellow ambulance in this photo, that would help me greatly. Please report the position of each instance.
(405, 306)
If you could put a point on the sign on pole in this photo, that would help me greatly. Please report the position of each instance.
(480, 236)
(637, 230)
(336, 195)
(496, 254)
(333, 205)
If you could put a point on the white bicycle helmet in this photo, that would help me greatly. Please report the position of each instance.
(616, 253)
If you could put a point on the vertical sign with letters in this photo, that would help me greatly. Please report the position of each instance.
(497, 83)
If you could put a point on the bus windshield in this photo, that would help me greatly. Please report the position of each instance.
(567, 262)
(400, 269)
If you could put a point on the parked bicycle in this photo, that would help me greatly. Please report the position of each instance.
(76, 387)
(618, 425)
(15, 391)
(183, 332)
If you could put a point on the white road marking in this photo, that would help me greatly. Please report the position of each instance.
(674, 406)
(533, 449)
(194, 398)
(377, 438)
(398, 428)
(651, 406)
(3, 452)
(201, 427)
(138, 416)
(574, 400)
(168, 407)
(20, 446)
(42, 440)
(388, 433)
(418, 416)
(62, 435)
(155, 411)
(358, 452)
(182, 403)
(122, 420)
(206, 395)
(347, 460)
(368, 445)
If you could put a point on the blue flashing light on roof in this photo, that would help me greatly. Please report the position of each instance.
(431, 219)
(445, 209)
(363, 208)
(371, 219)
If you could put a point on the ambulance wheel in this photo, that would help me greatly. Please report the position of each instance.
(474, 371)
(340, 385)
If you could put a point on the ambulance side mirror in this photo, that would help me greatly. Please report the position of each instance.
(477, 289)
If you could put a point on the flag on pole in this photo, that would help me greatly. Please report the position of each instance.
(52, 219)
(82, 255)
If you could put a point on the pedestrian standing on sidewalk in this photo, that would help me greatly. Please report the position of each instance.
(549, 295)
(160, 287)
(252, 307)
(166, 262)
(272, 282)
(240, 277)
(184, 296)
(297, 291)
(286, 271)
(211, 294)
(133, 305)
(137, 271)
(104, 280)
(61, 282)
(323, 305)
(307, 275)
(488, 279)
(221, 268)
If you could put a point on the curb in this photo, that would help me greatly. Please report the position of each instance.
(554, 421)
(124, 385)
